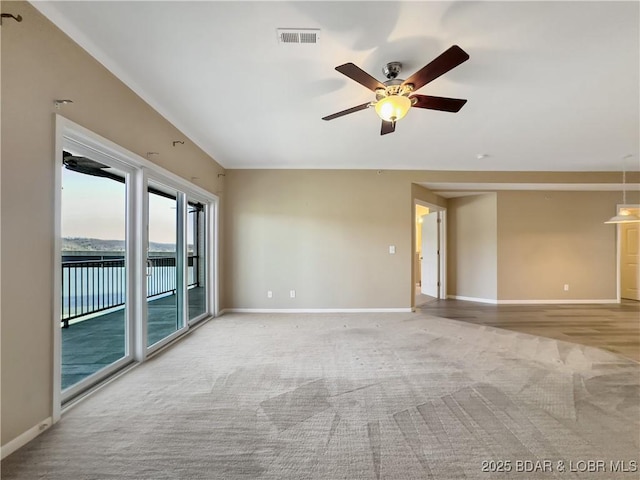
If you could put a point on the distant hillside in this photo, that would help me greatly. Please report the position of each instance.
(99, 245)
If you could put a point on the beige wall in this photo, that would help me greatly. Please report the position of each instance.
(549, 239)
(526, 245)
(325, 234)
(472, 247)
(40, 64)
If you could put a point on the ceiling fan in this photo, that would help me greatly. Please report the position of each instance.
(395, 97)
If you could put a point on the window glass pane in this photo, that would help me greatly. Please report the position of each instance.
(164, 316)
(94, 300)
(196, 260)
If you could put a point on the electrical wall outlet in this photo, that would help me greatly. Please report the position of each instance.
(566, 287)
(292, 293)
(269, 294)
(392, 249)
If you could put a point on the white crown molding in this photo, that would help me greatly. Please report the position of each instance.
(451, 189)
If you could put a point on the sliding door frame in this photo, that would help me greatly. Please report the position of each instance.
(161, 180)
(140, 170)
(210, 234)
(131, 231)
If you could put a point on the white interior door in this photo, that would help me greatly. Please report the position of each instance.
(629, 269)
(429, 271)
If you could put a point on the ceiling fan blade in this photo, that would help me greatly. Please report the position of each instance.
(387, 127)
(448, 60)
(438, 103)
(347, 111)
(356, 73)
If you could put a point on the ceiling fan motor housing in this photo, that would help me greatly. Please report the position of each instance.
(393, 86)
(392, 69)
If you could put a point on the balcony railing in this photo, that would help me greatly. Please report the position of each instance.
(91, 286)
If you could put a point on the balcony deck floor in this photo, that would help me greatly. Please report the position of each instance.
(95, 343)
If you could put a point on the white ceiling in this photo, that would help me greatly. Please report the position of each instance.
(551, 86)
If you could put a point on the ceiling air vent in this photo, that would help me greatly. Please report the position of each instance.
(299, 35)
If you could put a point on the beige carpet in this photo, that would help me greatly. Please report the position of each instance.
(375, 396)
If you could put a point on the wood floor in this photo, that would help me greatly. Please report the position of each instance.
(613, 327)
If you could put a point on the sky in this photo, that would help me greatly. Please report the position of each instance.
(94, 207)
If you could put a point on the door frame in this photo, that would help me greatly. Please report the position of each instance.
(619, 207)
(209, 231)
(442, 244)
(162, 182)
(131, 271)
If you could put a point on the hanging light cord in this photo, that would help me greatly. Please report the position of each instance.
(624, 183)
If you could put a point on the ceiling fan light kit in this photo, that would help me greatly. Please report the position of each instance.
(394, 98)
(393, 107)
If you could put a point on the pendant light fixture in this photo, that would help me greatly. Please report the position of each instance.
(624, 215)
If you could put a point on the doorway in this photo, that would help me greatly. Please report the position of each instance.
(629, 255)
(429, 263)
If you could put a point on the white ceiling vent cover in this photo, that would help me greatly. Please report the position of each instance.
(299, 35)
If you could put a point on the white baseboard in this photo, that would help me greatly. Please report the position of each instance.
(535, 302)
(24, 438)
(473, 299)
(556, 302)
(316, 310)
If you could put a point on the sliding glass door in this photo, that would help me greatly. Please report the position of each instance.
(135, 267)
(196, 260)
(165, 266)
(95, 316)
